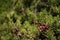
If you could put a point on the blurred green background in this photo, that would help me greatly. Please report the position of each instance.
(29, 19)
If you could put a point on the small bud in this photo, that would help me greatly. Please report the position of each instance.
(19, 34)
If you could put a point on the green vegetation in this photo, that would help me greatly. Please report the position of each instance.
(29, 19)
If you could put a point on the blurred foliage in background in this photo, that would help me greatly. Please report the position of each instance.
(29, 19)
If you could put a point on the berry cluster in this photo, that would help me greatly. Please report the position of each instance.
(42, 27)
